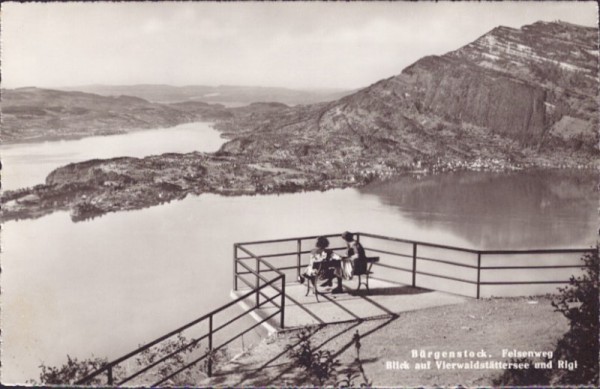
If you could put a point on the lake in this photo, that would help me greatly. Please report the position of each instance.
(28, 164)
(106, 285)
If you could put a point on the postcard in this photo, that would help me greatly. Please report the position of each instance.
(277, 194)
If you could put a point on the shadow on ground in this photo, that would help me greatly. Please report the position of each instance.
(280, 370)
(397, 290)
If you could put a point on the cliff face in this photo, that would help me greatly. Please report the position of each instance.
(510, 94)
(558, 58)
(459, 91)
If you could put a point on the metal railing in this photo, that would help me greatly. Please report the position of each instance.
(110, 367)
(255, 266)
(256, 272)
(476, 266)
(472, 260)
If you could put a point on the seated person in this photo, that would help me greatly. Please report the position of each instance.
(356, 252)
(321, 254)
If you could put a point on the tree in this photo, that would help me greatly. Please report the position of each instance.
(177, 354)
(74, 370)
(578, 302)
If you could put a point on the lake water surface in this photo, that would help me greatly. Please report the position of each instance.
(106, 285)
(28, 164)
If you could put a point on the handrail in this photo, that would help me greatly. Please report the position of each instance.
(476, 251)
(416, 259)
(108, 366)
(441, 246)
(272, 268)
(257, 290)
(286, 239)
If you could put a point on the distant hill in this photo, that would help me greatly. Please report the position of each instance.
(224, 94)
(34, 114)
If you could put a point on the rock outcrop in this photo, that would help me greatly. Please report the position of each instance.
(511, 94)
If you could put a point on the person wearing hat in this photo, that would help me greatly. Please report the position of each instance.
(319, 255)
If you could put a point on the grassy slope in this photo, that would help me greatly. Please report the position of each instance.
(490, 324)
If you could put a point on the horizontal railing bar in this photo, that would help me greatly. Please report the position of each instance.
(168, 335)
(286, 239)
(531, 267)
(388, 252)
(288, 253)
(250, 285)
(375, 236)
(446, 277)
(246, 312)
(253, 272)
(522, 282)
(417, 242)
(447, 262)
(301, 306)
(247, 330)
(253, 287)
(261, 277)
(392, 267)
(537, 251)
(213, 350)
(258, 258)
(170, 355)
(271, 255)
(263, 295)
(269, 270)
(270, 299)
(532, 251)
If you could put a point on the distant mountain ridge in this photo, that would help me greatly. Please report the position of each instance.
(224, 94)
(34, 114)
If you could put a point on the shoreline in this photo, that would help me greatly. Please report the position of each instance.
(93, 188)
(65, 138)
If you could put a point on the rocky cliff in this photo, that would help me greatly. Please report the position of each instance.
(513, 94)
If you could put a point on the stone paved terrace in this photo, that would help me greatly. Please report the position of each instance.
(383, 299)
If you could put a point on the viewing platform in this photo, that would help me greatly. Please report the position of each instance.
(411, 275)
(384, 299)
(407, 276)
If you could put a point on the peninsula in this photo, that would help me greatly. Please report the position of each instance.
(512, 99)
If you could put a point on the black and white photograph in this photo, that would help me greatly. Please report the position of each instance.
(299, 194)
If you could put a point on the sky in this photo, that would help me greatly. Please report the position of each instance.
(295, 45)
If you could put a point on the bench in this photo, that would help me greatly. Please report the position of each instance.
(362, 267)
(319, 266)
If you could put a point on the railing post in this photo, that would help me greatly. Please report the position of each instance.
(478, 273)
(282, 319)
(257, 286)
(414, 272)
(235, 269)
(210, 346)
(110, 375)
(298, 259)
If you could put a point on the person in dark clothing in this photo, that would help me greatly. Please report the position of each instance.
(355, 251)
